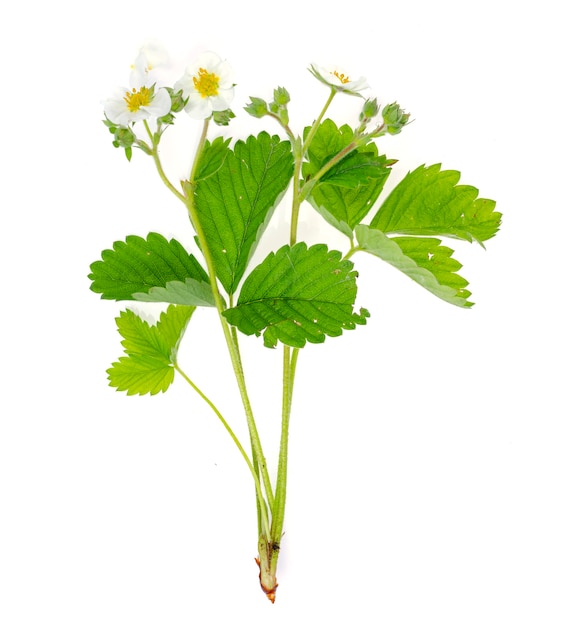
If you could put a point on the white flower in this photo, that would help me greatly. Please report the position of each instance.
(151, 55)
(208, 85)
(338, 79)
(140, 101)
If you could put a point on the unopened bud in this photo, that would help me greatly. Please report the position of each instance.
(177, 101)
(369, 110)
(281, 96)
(222, 118)
(257, 107)
(394, 118)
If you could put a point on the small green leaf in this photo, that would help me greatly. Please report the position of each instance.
(428, 201)
(235, 204)
(423, 259)
(297, 295)
(151, 351)
(138, 265)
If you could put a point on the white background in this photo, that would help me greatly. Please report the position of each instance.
(437, 470)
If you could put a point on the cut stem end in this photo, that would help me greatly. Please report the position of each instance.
(268, 554)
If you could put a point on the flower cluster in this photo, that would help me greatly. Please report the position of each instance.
(205, 90)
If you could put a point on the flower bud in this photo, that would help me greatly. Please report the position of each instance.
(257, 107)
(178, 102)
(281, 96)
(369, 110)
(124, 137)
(222, 118)
(395, 118)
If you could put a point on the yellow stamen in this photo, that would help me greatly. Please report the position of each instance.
(206, 84)
(136, 99)
(341, 77)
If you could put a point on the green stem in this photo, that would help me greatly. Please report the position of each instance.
(159, 166)
(297, 187)
(199, 150)
(188, 189)
(317, 122)
(254, 457)
(269, 546)
(296, 201)
(285, 127)
(187, 197)
(289, 367)
(263, 511)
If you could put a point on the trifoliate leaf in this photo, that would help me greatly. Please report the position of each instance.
(137, 265)
(347, 192)
(423, 259)
(428, 201)
(298, 294)
(235, 204)
(151, 351)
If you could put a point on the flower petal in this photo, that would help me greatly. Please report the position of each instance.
(161, 104)
(198, 108)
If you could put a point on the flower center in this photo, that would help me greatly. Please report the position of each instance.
(206, 84)
(341, 77)
(136, 99)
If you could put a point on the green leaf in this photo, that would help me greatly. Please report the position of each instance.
(347, 192)
(212, 158)
(151, 351)
(296, 295)
(344, 208)
(357, 168)
(423, 259)
(235, 204)
(328, 141)
(191, 293)
(136, 266)
(428, 201)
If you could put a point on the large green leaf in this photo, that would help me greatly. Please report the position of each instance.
(151, 351)
(423, 259)
(428, 201)
(235, 203)
(136, 267)
(347, 192)
(298, 294)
